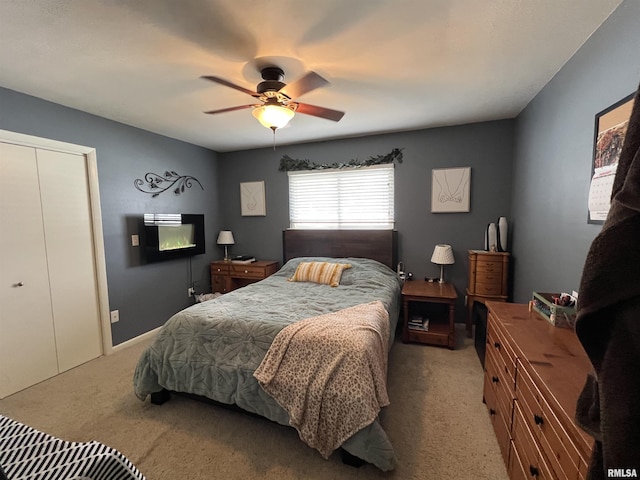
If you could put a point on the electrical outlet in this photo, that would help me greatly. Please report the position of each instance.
(191, 291)
(115, 316)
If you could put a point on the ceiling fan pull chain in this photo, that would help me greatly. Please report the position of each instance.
(274, 138)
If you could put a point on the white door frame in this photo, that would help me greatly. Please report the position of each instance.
(96, 218)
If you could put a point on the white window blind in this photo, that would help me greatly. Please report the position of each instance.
(350, 198)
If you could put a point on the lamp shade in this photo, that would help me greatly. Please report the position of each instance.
(225, 237)
(273, 116)
(442, 255)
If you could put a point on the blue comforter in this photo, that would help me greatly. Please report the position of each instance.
(213, 348)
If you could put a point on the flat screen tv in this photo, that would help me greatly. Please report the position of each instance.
(173, 235)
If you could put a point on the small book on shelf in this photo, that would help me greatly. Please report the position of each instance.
(419, 323)
(243, 259)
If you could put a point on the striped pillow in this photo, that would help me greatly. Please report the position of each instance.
(320, 272)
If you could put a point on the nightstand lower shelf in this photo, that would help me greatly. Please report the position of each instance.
(434, 301)
(438, 334)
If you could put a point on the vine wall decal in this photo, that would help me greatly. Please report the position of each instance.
(155, 184)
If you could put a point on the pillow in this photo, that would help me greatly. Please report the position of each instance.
(319, 272)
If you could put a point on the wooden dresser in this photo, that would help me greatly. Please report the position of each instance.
(534, 373)
(488, 280)
(227, 276)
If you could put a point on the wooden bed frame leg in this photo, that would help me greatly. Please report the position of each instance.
(158, 398)
(351, 460)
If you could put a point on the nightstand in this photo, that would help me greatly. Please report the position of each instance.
(227, 276)
(433, 301)
(488, 275)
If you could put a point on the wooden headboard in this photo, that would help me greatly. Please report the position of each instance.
(380, 245)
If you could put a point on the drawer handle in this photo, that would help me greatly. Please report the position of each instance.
(534, 471)
(538, 419)
(495, 379)
(492, 411)
(246, 271)
(496, 344)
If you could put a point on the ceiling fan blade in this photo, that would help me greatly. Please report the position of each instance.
(222, 81)
(305, 84)
(230, 109)
(321, 112)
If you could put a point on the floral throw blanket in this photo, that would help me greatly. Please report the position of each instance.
(329, 373)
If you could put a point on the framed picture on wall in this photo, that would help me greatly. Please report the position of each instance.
(450, 190)
(252, 199)
(609, 132)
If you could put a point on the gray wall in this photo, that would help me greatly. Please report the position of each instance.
(535, 171)
(486, 147)
(554, 150)
(146, 295)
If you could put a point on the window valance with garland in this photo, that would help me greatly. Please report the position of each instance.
(288, 164)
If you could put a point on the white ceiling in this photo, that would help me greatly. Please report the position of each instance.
(393, 64)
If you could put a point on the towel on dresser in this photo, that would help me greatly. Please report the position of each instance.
(329, 373)
(608, 322)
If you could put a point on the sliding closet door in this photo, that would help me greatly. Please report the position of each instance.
(27, 343)
(49, 307)
(66, 210)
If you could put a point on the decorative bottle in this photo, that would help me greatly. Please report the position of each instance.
(491, 239)
(503, 229)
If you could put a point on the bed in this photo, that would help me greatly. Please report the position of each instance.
(214, 348)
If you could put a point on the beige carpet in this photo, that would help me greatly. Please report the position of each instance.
(437, 423)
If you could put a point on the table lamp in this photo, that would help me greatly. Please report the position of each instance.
(225, 237)
(442, 255)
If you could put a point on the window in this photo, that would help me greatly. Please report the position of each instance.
(350, 198)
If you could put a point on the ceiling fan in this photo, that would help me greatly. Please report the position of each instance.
(277, 105)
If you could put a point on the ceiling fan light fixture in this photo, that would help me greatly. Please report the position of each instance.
(273, 116)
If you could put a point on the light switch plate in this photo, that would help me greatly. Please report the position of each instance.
(135, 240)
(115, 316)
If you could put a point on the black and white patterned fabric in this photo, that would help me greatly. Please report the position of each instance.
(28, 454)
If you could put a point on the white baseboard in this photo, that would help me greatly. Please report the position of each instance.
(133, 341)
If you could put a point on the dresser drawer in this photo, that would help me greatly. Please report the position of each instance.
(516, 467)
(497, 343)
(488, 289)
(246, 271)
(532, 460)
(582, 470)
(502, 382)
(219, 269)
(554, 440)
(500, 419)
(489, 278)
(485, 266)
